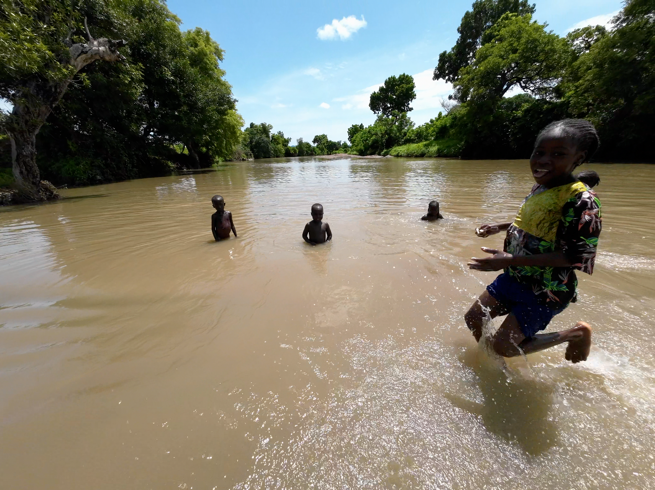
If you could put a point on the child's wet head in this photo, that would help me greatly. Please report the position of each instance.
(433, 208)
(218, 202)
(317, 212)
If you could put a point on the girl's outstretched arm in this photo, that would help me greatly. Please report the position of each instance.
(501, 260)
(488, 230)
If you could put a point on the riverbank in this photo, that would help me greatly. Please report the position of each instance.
(446, 148)
(340, 156)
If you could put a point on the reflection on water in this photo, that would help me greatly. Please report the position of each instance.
(136, 352)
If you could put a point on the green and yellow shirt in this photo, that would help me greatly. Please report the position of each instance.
(565, 218)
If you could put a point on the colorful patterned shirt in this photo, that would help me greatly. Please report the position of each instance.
(565, 218)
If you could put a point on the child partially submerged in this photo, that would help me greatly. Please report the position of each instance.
(316, 231)
(555, 232)
(221, 220)
(433, 212)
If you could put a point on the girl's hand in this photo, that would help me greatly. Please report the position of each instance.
(487, 230)
(499, 260)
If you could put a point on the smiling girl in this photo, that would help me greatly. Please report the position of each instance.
(555, 232)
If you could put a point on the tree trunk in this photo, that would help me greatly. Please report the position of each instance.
(194, 155)
(32, 106)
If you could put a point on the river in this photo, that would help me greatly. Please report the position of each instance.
(136, 352)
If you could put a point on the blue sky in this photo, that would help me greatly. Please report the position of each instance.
(284, 74)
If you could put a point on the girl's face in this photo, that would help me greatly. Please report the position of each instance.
(553, 159)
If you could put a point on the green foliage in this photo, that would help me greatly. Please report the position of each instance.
(396, 94)
(6, 177)
(169, 104)
(475, 23)
(612, 81)
(384, 134)
(324, 146)
(519, 52)
(353, 130)
(257, 137)
(447, 148)
(304, 148)
(261, 142)
(436, 128)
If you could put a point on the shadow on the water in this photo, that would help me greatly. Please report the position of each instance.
(201, 171)
(20, 207)
(80, 198)
(515, 407)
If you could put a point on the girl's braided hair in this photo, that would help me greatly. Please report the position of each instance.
(580, 131)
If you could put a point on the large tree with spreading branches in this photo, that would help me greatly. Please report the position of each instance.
(45, 44)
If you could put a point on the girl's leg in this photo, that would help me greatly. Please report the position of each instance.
(509, 336)
(484, 308)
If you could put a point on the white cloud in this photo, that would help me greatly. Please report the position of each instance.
(279, 105)
(604, 20)
(314, 72)
(359, 100)
(429, 93)
(341, 29)
(324, 105)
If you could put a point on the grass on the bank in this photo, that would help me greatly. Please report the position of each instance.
(437, 148)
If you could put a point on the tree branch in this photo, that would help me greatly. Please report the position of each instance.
(98, 49)
(87, 31)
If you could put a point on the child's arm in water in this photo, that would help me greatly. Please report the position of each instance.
(305, 235)
(216, 237)
(328, 231)
(234, 230)
(501, 260)
(488, 230)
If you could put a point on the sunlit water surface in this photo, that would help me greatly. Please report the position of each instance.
(136, 353)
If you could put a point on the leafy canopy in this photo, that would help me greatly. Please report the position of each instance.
(519, 53)
(475, 23)
(396, 94)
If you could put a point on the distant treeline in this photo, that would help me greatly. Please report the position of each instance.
(168, 105)
(605, 76)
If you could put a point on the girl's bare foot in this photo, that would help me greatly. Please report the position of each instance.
(580, 343)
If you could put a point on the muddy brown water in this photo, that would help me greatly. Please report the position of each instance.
(137, 353)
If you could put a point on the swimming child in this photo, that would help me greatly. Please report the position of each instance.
(433, 212)
(589, 177)
(555, 232)
(316, 231)
(221, 220)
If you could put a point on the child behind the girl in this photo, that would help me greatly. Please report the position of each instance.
(555, 232)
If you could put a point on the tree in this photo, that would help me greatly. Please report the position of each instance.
(612, 81)
(257, 137)
(475, 23)
(40, 58)
(304, 148)
(280, 144)
(519, 52)
(396, 94)
(382, 135)
(353, 130)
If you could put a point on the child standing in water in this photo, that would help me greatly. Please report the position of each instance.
(316, 231)
(221, 220)
(555, 232)
(433, 212)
